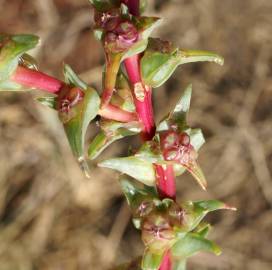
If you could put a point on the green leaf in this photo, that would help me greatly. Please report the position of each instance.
(161, 59)
(28, 61)
(135, 167)
(48, 101)
(190, 56)
(203, 229)
(196, 211)
(150, 152)
(135, 193)
(143, 6)
(11, 48)
(11, 86)
(191, 244)
(151, 261)
(71, 78)
(76, 126)
(179, 115)
(196, 137)
(98, 34)
(102, 5)
(113, 132)
(179, 265)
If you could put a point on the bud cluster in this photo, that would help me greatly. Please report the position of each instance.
(160, 220)
(119, 33)
(177, 147)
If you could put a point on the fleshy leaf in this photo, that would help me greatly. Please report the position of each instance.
(196, 137)
(143, 5)
(135, 193)
(72, 79)
(196, 211)
(48, 101)
(161, 59)
(203, 229)
(76, 121)
(103, 5)
(191, 244)
(178, 116)
(28, 61)
(151, 261)
(12, 47)
(179, 265)
(135, 167)
(112, 132)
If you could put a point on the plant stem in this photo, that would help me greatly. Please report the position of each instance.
(142, 96)
(36, 79)
(114, 113)
(112, 68)
(166, 184)
(166, 263)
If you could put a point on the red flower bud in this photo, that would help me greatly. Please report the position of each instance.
(157, 233)
(177, 147)
(68, 98)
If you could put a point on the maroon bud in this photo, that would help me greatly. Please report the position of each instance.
(127, 32)
(69, 98)
(184, 139)
(169, 139)
(177, 147)
(122, 37)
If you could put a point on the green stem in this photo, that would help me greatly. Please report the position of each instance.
(112, 67)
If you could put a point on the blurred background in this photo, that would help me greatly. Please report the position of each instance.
(52, 218)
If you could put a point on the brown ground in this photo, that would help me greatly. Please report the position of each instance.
(53, 219)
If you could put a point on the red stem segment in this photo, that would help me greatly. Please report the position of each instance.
(166, 263)
(36, 79)
(142, 95)
(166, 181)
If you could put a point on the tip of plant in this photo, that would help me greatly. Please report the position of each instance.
(228, 207)
(217, 251)
(219, 60)
(204, 186)
(84, 167)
